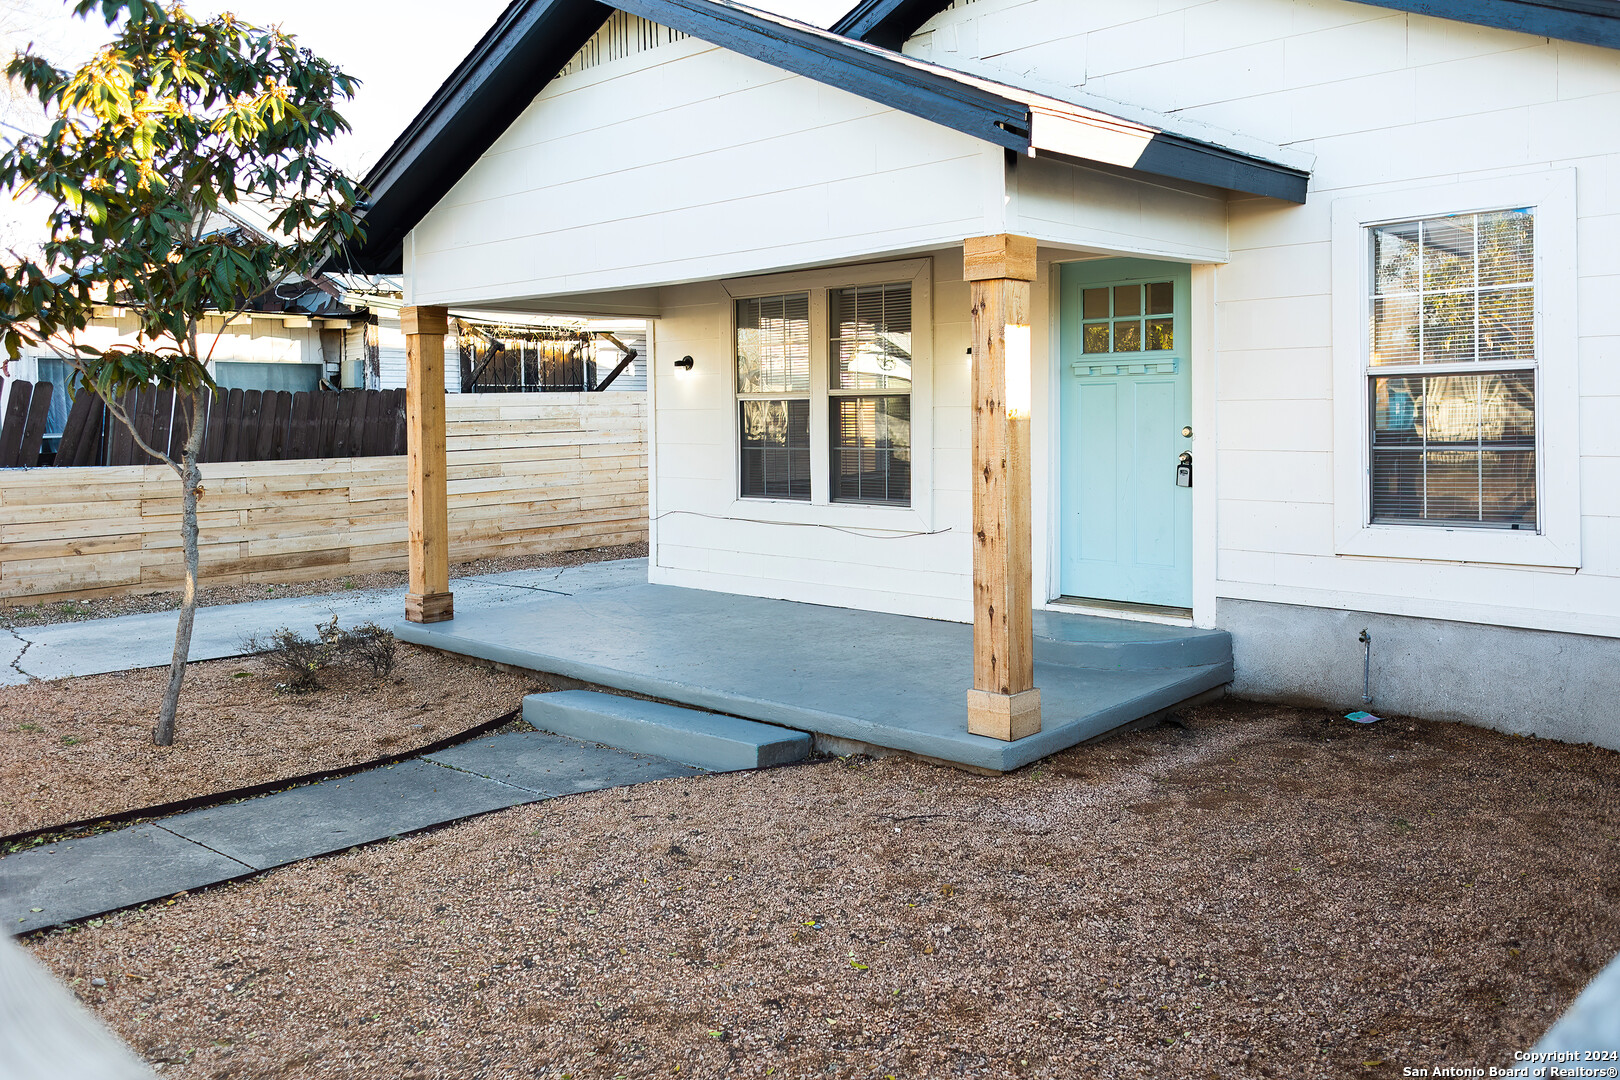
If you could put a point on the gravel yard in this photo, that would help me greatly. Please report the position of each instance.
(1258, 893)
(210, 595)
(77, 749)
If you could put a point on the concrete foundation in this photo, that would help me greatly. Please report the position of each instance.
(1528, 682)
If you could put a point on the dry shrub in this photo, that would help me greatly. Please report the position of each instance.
(301, 659)
(368, 643)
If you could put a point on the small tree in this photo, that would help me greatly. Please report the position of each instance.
(149, 142)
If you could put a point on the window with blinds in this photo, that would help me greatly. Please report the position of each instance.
(773, 392)
(870, 393)
(1451, 371)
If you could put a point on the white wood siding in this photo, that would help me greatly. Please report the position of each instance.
(688, 162)
(1385, 101)
(698, 539)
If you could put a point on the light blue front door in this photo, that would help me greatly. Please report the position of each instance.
(1126, 531)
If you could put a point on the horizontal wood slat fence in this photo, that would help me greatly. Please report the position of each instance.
(242, 425)
(527, 474)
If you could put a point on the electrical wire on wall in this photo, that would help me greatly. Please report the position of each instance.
(870, 534)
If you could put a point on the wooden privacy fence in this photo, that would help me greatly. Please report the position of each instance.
(242, 425)
(23, 428)
(527, 474)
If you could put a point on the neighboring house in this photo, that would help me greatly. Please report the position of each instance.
(293, 340)
(1322, 329)
(325, 334)
(378, 345)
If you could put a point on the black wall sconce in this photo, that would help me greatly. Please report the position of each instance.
(684, 362)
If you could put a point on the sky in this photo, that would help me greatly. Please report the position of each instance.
(401, 50)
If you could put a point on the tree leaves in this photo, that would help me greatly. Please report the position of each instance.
(152, 144)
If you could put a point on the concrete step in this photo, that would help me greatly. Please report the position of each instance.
(704, 739)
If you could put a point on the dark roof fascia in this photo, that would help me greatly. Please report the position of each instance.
(1592, 22)
(1589, 22)
(1205, 163)
(887, 22)
(523, 51)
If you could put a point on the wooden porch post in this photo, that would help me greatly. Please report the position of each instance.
(1003, 703)
(429, 599)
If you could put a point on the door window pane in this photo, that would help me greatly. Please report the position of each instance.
(1161, 334)
(1127, 300)
(1123, 306)
(1128, 336)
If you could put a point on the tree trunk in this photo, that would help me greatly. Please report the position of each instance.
(191, 478)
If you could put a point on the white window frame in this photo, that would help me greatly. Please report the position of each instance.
(1556, 543)
(821, 509)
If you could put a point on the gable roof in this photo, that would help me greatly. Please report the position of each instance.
(533, 40)
(1591, 22)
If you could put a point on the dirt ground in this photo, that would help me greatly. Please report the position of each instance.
(107, 606)
(75, 749)
(1260, 893)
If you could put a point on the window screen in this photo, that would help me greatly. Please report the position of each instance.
(59, 373)
(870, 395)
(773, 387)
(231, 375)
(1452, 371)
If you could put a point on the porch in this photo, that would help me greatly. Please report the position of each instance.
(886, 681)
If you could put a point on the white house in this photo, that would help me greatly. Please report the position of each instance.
(1308, 310)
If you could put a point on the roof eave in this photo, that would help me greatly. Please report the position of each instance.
(534, 40)
(1590, 22)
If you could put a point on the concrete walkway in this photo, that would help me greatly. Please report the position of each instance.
(76, 879)
(97, 646)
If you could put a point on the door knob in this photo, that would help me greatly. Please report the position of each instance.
(1186, 432)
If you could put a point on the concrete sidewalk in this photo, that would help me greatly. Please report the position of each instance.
(75, 879)
(97, 646)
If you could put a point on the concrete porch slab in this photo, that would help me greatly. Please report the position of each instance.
(886, 680)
